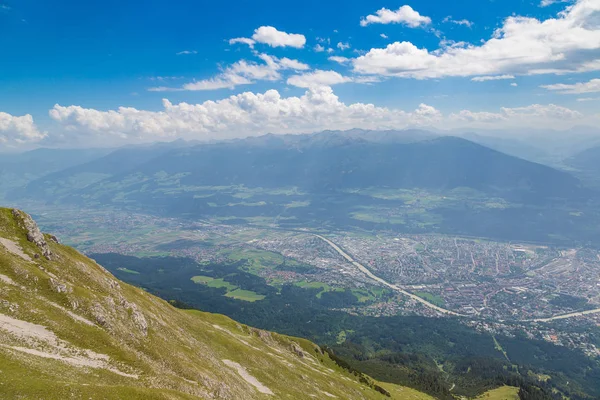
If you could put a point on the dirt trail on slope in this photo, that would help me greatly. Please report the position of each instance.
(14, 248)
(247, 377)
(7, 280)
(38, 337)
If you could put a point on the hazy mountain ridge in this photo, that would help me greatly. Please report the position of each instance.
(16, 170)
(399, 180)
(587, 160)
(324, 162)
(69, 328)
(94, 169)
(546, 146)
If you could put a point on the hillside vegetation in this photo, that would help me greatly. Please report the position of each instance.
(69, 329)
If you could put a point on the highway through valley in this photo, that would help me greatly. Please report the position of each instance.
(371, 275)
(426, 303)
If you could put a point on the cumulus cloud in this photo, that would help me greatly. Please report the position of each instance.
(271, 36)
(523, 45)
(242, 73)
(546, 3)
(463, 22)
(470, 116)
(241, 115)
(533, 115)
(318, 78)
(318, 48)
(492, 78)
(274, 38)
(551, 111)
(593, 86)
(16, 131)
(426, 114)
(237, 75)
(339, 60)
(288, 63)
(384, 36)
(242, 40)
(249, 114)
(343, 46)
(404, 15)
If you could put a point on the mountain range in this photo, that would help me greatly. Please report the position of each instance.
(407, 181)
(320, 162)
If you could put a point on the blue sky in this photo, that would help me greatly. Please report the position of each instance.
(427, 63)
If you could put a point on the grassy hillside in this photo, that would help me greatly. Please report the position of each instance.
(69, 329)
(501, 393)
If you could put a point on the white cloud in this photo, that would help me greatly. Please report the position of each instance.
(426, 114)
(242, 73)
(588, 99)
(593, 86)
(492, 78)
(248, 114)
(384, 36)
(534, 115)
(366, 79)
(243, 40)
(241, 115)
(287, 63)
(550, 111)
(514, 84)
(274, 38)
(165, 78)
(546, 3)
(339, 60)
(484, 117)
(227, 80)
(186, 52)
(17, 131)
(463, 22)
(343, 46)
(317, 78)
(318, 48)
(523, 45)
(404, 15)
(330, 50)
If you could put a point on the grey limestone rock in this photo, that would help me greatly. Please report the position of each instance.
(34, 235)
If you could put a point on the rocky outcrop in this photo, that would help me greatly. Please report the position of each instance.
(59, 287)
(53, 239)
(296, 349)
(34, 235)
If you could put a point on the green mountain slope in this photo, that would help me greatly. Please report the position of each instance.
(69, 329)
